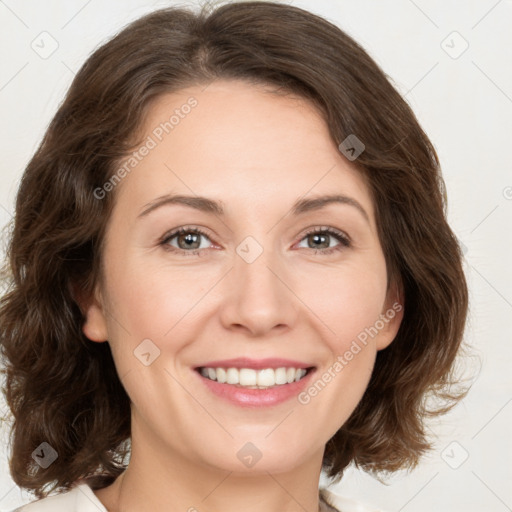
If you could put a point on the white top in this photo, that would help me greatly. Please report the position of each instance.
(81, 498)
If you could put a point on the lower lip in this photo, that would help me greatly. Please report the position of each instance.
(245, 397)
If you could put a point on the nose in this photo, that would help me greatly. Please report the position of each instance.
(259, 297)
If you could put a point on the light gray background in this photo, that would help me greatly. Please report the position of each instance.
(463, 101)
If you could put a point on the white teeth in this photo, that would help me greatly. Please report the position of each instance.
(221, 375)
(250, 378)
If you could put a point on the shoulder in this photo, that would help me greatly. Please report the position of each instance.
(342, 504)
(80, 498)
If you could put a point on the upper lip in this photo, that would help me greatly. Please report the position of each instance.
(256, 364)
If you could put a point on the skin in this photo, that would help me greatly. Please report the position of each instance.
(258, 153)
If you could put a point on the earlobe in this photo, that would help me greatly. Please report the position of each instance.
(94, 325)
(391, 318)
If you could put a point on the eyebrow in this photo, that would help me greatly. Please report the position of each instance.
(208, 205)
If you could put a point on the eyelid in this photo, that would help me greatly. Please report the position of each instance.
(325, 229)
(187, 227)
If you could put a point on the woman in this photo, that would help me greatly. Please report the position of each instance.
(230, 263)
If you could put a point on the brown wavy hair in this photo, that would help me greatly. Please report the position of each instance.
(64, 390)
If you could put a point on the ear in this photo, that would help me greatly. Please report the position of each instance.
(94, 325)
(391, 316)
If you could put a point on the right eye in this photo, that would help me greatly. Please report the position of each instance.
(187, 237)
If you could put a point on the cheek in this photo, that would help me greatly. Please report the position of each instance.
(346, 299)
(151, 299)
(347, 303)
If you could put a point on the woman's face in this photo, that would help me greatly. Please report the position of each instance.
(256, 283)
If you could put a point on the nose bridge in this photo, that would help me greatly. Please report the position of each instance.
(260, 299)
(253, 267)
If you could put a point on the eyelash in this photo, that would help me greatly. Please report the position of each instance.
(338, 235)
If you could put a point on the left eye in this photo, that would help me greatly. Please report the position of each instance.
(189, 240)
(319, 235)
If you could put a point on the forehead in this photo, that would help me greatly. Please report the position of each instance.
(242, 143)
